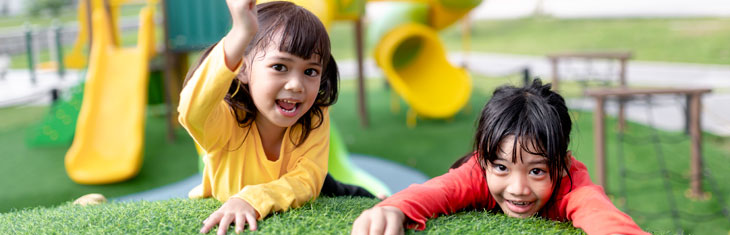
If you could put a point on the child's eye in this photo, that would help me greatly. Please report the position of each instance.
(311, 72)
(537, 171)
(279, 67)
(500, 167)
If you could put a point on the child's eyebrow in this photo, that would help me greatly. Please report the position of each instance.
(289, 59)
(283, 58)
(540, 161)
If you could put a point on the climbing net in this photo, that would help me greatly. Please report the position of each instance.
(715, 206)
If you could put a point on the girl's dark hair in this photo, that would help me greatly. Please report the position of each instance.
(302, 34)
(537, 117)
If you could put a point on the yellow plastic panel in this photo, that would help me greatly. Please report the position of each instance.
(324, 9)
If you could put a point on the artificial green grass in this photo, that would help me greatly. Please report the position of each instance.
(183, 216)
(37, 177)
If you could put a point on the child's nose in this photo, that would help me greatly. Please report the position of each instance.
(294, 84)
(518, 186)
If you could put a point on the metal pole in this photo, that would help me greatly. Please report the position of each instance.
(29, 49)
(59, 49)
(526, 76)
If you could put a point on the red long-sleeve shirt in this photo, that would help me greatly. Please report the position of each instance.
(582, 202)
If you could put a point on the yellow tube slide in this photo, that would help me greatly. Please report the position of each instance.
(108, 144)
(427, 82)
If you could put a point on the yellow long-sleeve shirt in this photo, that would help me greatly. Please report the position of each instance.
(235, 162)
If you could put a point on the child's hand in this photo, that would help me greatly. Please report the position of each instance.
(234, 210)
(243, 15)
(245, 25)
(379, 220)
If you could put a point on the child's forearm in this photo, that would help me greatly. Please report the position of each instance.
(234, 46)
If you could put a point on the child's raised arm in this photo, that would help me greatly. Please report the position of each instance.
(208, 82)
(245, 26)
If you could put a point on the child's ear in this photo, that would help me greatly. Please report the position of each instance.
(568, 162)
(242, 75)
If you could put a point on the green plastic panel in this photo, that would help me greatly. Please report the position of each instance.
(195, 24)
(394, 14)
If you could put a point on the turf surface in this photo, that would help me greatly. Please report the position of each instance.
(33, 176)
(184, 216)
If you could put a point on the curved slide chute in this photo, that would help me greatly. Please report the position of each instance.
(427, 82)
(413, 59)
(108, 144)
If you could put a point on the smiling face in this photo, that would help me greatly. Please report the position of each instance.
(521, 188)
(283, 86)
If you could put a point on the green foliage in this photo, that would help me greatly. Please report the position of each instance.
(183, 216)
(52, 7)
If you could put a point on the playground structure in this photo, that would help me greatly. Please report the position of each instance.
(109, 133)
(77, 58)
(413, 59)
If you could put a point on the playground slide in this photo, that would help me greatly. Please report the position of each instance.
(340, 167)
(427, 82)
(107, 146)
(413, 59)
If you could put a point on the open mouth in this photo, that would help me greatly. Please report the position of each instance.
(519, 206)
(288, 107)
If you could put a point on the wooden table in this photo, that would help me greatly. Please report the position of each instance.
(694, 96)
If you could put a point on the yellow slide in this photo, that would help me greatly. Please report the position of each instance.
(413, 59)
(427, 82)
(108, 144)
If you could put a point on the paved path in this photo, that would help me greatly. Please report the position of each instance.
(666, 112)
(16, 87)
(395, 176)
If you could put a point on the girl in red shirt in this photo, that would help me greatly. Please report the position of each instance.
(521, 166)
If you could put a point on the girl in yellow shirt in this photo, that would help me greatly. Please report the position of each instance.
(257, 104)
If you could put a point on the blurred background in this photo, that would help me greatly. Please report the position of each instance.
(88, 94)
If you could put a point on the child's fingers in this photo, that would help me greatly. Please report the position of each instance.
(361, 224)
(225, 222)
(393, 226)
(377, 224)
(240, 222)
(211, 221)
(251, 221)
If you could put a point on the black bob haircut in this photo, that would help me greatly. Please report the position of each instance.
(537, 117)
